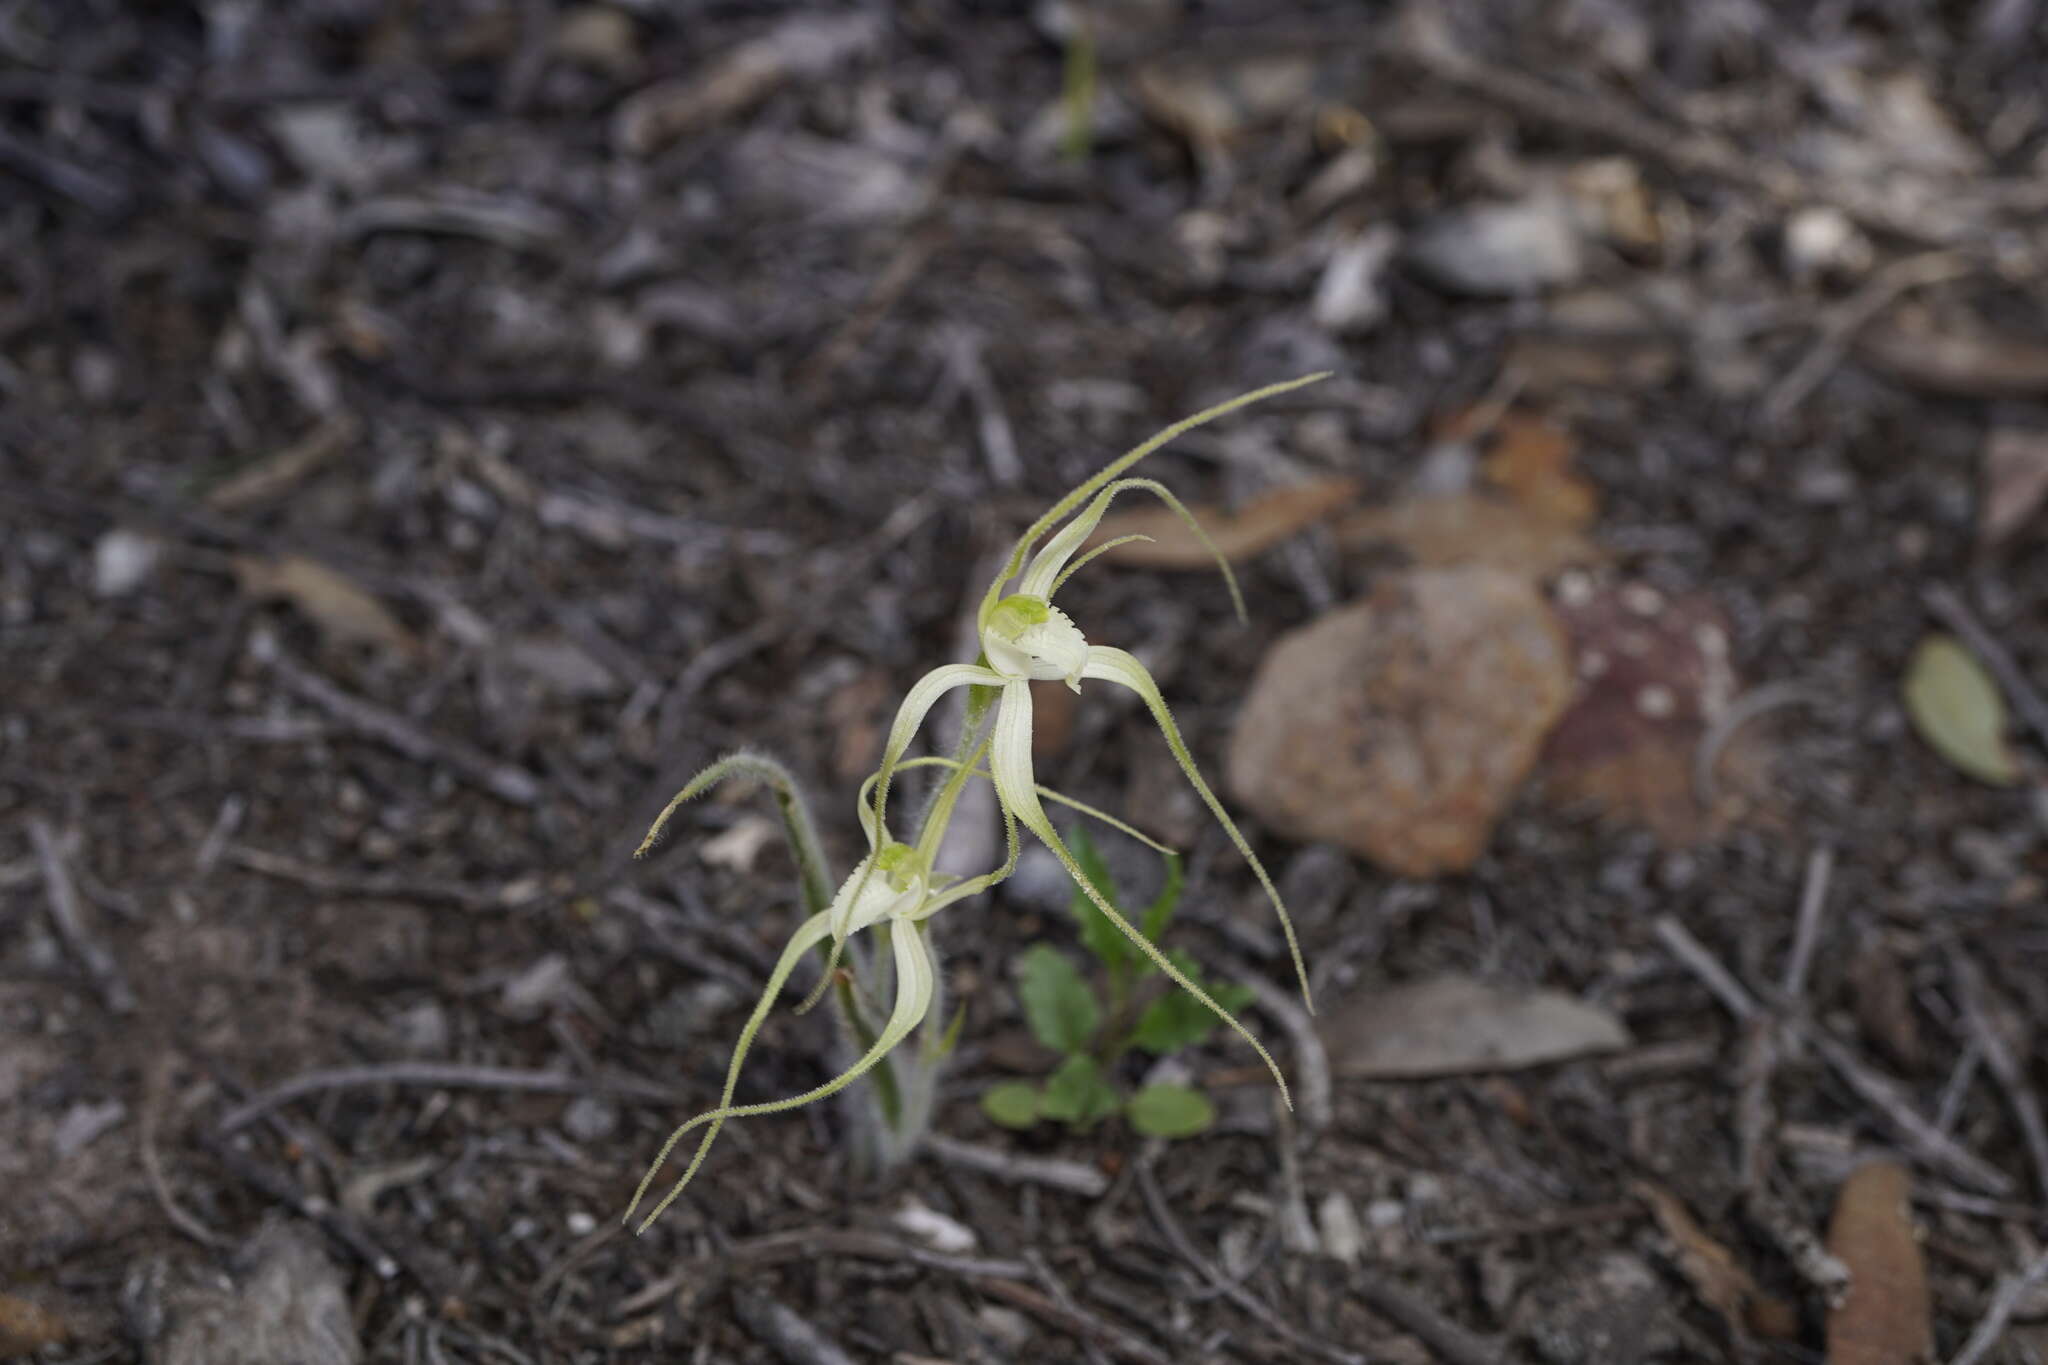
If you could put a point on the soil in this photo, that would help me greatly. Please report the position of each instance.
(430, 433)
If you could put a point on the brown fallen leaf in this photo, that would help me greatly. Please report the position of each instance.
(804, 47)
(1654, 676)
(1398, 727)
(2015, 483)
(1883, 1319)
(27, 1327)
(1531, 461)
(1714, 1273)
(1458, 529)
(1452, 1025)
(344, 612)
(1962, 364)
(1259, 525)
(1526, 509)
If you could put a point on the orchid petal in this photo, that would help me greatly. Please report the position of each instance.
(1050, 569)
(1010, 765)
(808, 934)
(1106, 664)
(1086, 489)
(915, 983)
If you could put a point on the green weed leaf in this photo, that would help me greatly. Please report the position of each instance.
(1101, 937)
(1013, 1104)
(1076, 1093)
(1170, 1111)
(1057, 1002)
(1178, 1020)
(1959, 710)
(1159, 913)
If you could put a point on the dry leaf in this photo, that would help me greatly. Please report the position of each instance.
(1531, 460)
(1260, 524)
(344, 612)
(1654, 675)
(1958, 709)
(1452, 1025)
(1962, 364)
(1883, 1318)
(1527, 516)
(1714, 1273)
(2015, 483)
(1468, 529)
(25, 1327)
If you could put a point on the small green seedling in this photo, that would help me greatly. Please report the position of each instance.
(1093, 1030)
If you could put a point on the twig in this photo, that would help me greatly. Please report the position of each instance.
(1694, 957)
(153, 1163)
(1011, 1168)
(1739, 713)
(1250, 1303)
(2011, 1290)
(1956, 1090)
(1073, 1321)
(2018, 687)
(776, 1324)
(1843, 321)
(1884, 1094)
(1975, 995)
(440, 1076)
(341, 1226)
(1065, 1300)
(1311, 1058)
(503, 780)
(1415, 1316)
(101, 194)
(69, 917)
(1820, 864)
(992, 424)
(334, 883)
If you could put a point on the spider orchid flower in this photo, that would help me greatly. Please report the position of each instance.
(893, 890)
(1024, 637)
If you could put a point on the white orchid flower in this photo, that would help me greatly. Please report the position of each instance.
(893, 889)
(1024, 637)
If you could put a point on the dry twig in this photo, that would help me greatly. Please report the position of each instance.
(69, 917)
(1991, 1327)
(441, 1076)
(1990, 1040)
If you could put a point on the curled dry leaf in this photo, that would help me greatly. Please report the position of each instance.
(2015, 483)
(1451, 1025)
(1883, 1318)
(1958, 709)
(344, 612)
(1259, 525)
(1526, 511)
(1964, 364)
(26, 1327)
(1715, 1275)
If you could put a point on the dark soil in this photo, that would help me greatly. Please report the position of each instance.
(651, 442)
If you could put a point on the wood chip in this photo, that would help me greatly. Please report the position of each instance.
(1715, 1275)
(1884, 1318)
(346, 613)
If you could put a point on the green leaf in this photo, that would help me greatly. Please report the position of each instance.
(1077, 1094)
(1178, 1020)
(1101, 937)
(1958, 709)
(1170, 1111)
(1013, 1104)
(1057, 1002)
(1159, 913)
